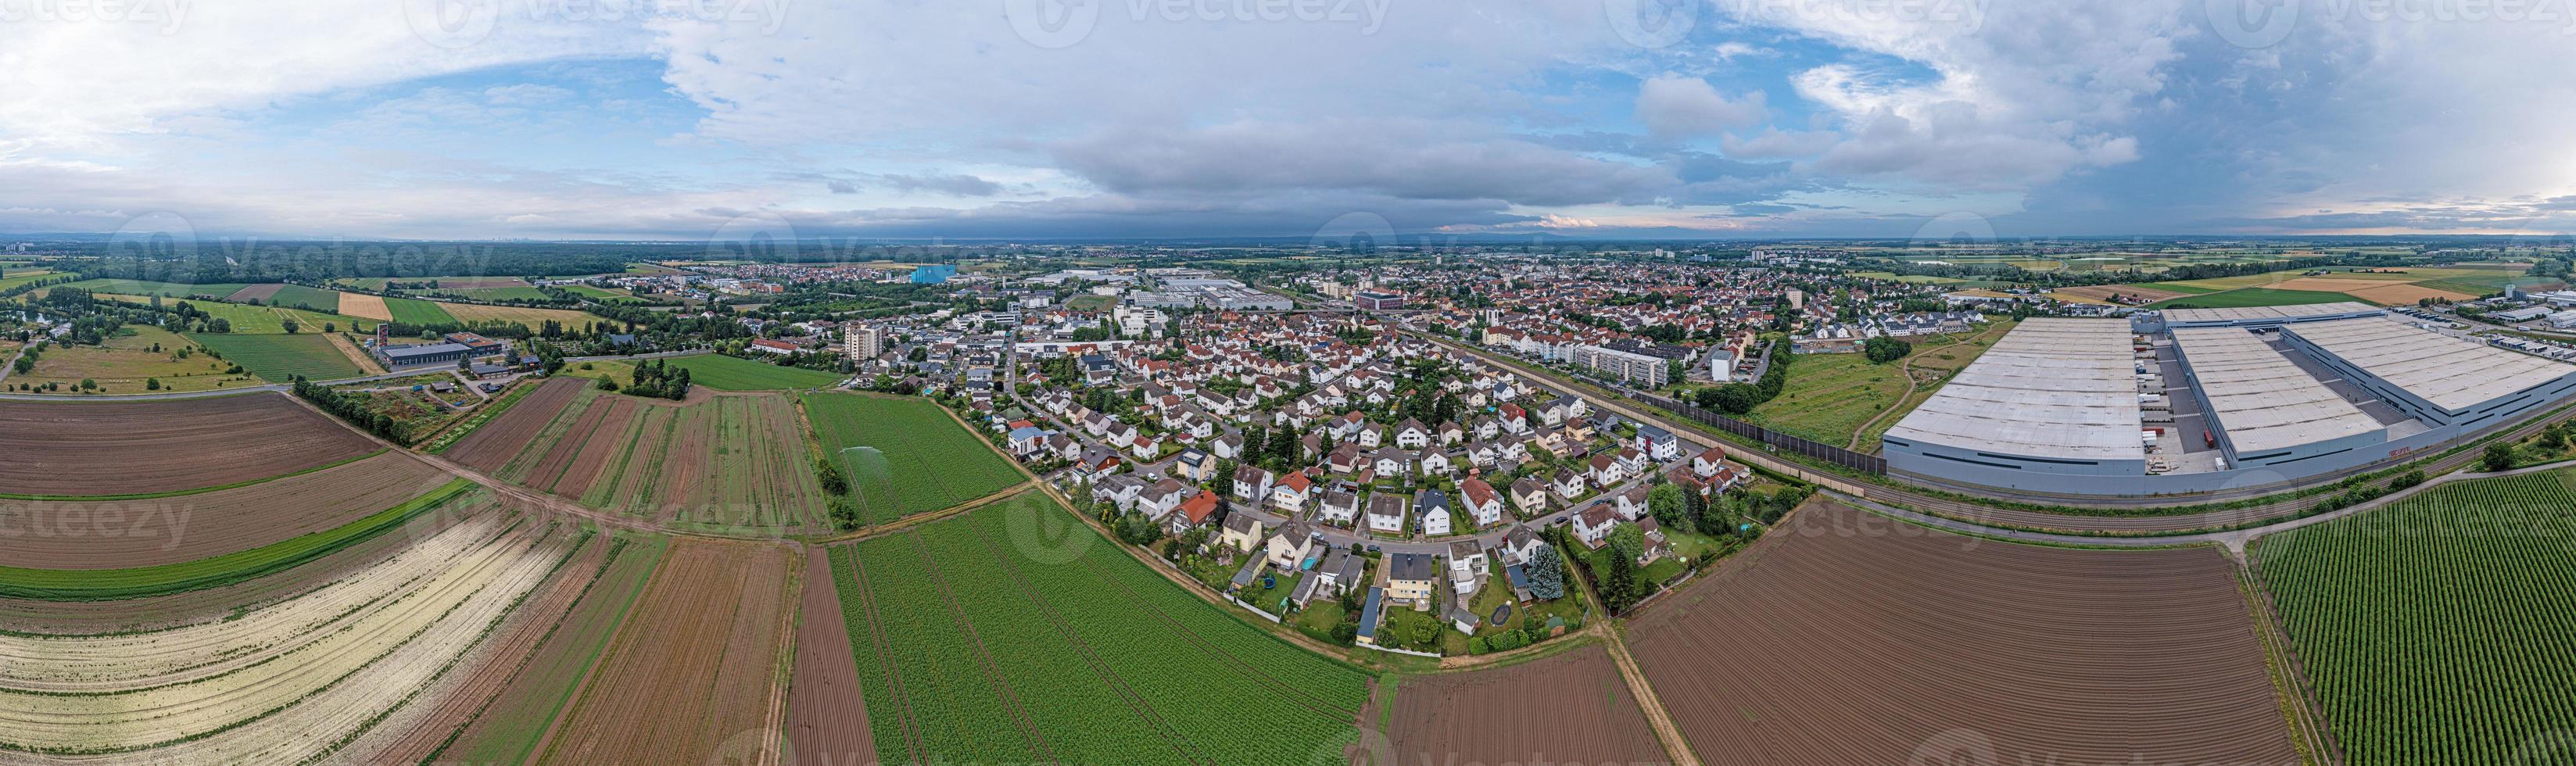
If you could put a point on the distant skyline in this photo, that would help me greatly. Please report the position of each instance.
(1156, 119)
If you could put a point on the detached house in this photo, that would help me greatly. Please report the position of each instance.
(1530, 496)
(1242, 532)
(1339, 508)
(1251, 485)
(1592, 526)
(1290, 494)
(1386, 513)
(1290, 546)
(1192, 513)
(1481, 502)
(1658, 443)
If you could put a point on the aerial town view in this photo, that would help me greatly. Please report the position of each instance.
(1676, 382)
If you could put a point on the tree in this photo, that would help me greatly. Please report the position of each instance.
(1670, 505)
(1737, 398)
(1546, 573)
(1628, 541)
(1883, 349)
(1619, 587)
(2499, 456)
(292, 326)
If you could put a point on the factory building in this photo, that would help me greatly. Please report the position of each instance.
(2267, 316)
(2442, 379)
(2084, 407)
(2054, 402)
(2264, 410)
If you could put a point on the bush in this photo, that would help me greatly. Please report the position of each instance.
(2407, 479)
(2498, 457)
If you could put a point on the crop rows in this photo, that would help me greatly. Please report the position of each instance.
(905, 455)
(290, 683)
(977, 640)
(2436, 630)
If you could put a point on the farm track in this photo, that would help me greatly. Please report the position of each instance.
(1011, 703)
(138, 447)
(1091, 657)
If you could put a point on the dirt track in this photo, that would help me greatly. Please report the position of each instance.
(1570, 708)
(1903, 642)
(141, 447)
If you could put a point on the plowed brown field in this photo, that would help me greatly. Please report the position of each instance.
(1570, 708)
(488, 447)
(827, 718)
(113, 534)
(1847, 638)
(143, 447)
(696, 675)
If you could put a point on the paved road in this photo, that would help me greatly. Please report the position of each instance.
(2234, 540)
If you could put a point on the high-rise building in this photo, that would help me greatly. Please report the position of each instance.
(864, 342)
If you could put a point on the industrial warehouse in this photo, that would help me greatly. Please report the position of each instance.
(2196, 400)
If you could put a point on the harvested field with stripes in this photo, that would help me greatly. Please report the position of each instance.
(1016, 633)
(699, 671)
(113, 534)
(1844, 638)
(364, 667)
(1570, 708)
(127, 448)
(730, 463)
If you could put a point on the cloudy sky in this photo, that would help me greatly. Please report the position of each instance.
(965, 119)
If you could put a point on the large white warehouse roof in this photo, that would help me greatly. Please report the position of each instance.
(2053, 387)
(2452, 373)
(2261, 399)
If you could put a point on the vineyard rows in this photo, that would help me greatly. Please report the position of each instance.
(2436, 630)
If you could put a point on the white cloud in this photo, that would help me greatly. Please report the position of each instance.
(1680, 106)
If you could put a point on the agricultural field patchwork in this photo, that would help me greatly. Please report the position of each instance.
(86, 584)
(697, 668)
(1016, 632)
(100, 534)
(1891, 636)
(730, 464)
(904, 456)
(531, 318)
(2252, 296)
(215, 290)
(727, 373)
(16, 276)
(2435, 630)
(372, 667)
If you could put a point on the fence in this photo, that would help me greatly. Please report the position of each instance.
(1778, 441)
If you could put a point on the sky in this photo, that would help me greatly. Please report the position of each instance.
(1071, 119)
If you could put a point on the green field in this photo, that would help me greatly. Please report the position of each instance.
(519, 293)
(268, 320)
(1831, 395)
(2179, 287)
(299, 295)
(2254, 296)
(606, 296)
(904, 456)
(282, 357)
(215, 571)
(15, 277)
(1020, 612)
(163, 289)
(417, 312)
(2436, 630)
(727, 373)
